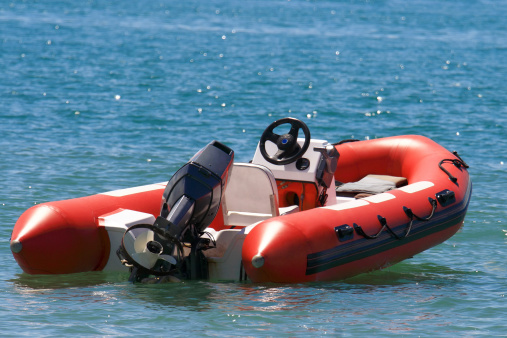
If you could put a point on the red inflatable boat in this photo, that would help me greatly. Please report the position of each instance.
(303, 210)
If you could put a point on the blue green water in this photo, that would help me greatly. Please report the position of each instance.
(102, 95)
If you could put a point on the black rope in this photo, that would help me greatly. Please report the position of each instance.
(458, 162)
(361, 232)
(385, 226)
(452, 178)
(383, 221)
(411, 215)
(455, 153)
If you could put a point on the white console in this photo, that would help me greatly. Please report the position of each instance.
(304, 169)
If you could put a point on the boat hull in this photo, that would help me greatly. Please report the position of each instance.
(322, 244)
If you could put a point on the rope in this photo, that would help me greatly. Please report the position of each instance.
(385, 226)
(458, 162)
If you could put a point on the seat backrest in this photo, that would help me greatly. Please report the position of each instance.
(251, 195)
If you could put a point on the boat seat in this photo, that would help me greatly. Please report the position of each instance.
(251, 196)
(370, 185)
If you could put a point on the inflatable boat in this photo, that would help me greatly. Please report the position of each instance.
(302, 210)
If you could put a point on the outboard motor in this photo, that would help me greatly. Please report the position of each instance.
(189, 204)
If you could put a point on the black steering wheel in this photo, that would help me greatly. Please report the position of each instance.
(288, 148)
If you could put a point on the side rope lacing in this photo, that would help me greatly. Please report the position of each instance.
(413, 216)
(383, 223)
(385, 226)
(458, 162)
(361, 232)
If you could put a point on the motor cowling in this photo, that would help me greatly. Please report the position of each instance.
(193, 195)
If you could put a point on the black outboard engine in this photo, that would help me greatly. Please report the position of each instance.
(192, 197)
(189, 204)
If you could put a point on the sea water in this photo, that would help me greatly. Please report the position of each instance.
(101, 95)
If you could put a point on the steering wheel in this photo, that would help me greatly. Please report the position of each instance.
(288, 147)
